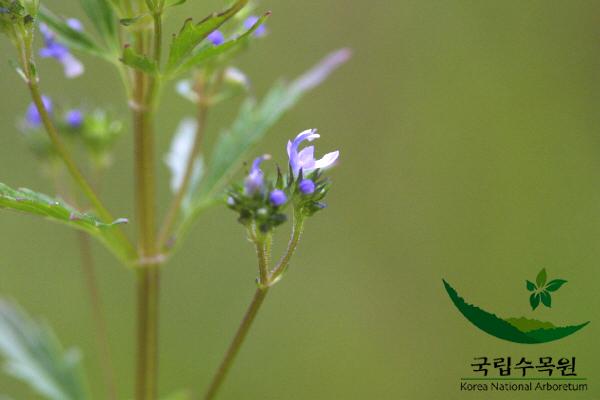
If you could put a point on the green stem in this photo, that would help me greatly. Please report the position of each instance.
(236, 343)
(298, 228)
(148, 276)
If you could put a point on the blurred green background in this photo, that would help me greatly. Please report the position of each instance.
(470, 151)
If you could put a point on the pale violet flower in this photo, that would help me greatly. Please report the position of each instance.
(255, 179)
(237, 77)
(277, 197)
(53, 49)
(181, 151)
(305, 159)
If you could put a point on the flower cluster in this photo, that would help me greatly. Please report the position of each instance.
(97, 130)
(53, 49)
(262, 201)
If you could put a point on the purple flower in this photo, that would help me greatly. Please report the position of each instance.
(52, 49)
(305, 159)
(33, 117)
(277, 197)
(216, 37)
(254, 181)
(250, 22)
(306, 186)
(74, 118)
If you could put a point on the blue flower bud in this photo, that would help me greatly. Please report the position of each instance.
(306, 186)
(74, 118)
(277, 197)
(216, 37)
(249, 23)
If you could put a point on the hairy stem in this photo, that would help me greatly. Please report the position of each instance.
(236, 343)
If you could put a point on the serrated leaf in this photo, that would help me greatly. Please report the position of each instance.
(139, 61)
(541, 278)
(252, 123)
(534, 300)
(73, 38)
(546, 298)
(34, 203)
(102, 15)
(191, 34)
(211, 52)
(554, 285)
(530, 286)
(34, 355)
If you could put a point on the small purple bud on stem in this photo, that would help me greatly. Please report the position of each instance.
(74, 118)
(216, 37)
(277, 197)
(249, 23)
(306, 186)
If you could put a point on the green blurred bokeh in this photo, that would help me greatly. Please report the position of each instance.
(470, 151)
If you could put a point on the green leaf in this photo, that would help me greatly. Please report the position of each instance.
(31, 202)
(541, 278)
(102, 15)
(546, 298)
(534, 300)
(252, 123)
(554, 285)
(191, 34)
(211, 52)
(34, 355)
(139, 61)
(530, 286)
(74, 39)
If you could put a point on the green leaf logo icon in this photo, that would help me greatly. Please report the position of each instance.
(541, 290)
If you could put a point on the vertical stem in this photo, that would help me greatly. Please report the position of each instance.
(148, 276)
(236, 343)
(101, 332)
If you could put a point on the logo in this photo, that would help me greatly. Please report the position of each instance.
(519, 329)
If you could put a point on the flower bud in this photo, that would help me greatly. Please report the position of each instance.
(306, 186)
(277, 197)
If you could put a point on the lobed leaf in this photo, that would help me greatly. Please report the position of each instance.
(211, 52)
(75, 39)
(34, 355)
(139, 61)
(191, 34)
(546, 298)
(34, 203)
